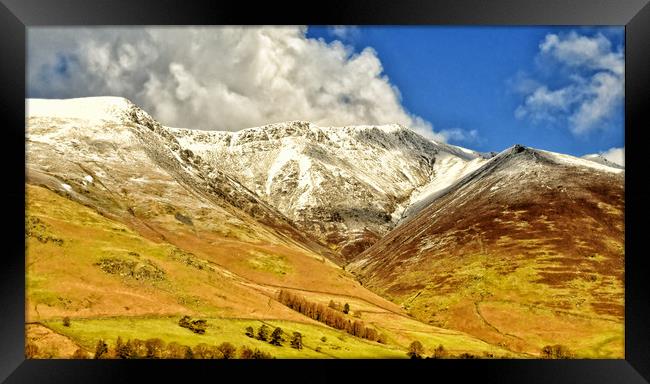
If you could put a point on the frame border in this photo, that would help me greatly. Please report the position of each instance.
(17, 16)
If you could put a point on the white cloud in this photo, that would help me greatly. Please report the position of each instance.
(344, 32)
(615, 155)
(218, 78)
(458, 135)
(593, 83)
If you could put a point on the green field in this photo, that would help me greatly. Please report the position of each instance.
(337, 345)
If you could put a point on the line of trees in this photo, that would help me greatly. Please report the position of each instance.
(157, 349)
(277, 336)
(332, 317)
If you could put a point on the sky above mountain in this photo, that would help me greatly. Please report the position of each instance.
(486, 88)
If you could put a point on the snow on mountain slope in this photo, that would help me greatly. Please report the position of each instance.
(110, 154)
(347, 185)
(438, 188)
(87, 108)
(528, 229)
(602, 160)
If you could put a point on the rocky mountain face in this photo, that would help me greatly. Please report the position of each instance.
(480, 243)
(531, 237)
(348, 186)
(108, 153)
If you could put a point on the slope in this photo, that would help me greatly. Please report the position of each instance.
(526, 251)
(348, 186)
(124, 228)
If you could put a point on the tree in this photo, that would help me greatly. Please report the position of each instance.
(204, 351)
(250, 332)
(138, 348)
(276, 337)
(155, 348)
(66, 321)
(439, 352)
(557, 351)
(31, 350)
(416, 350)
(122, 350)
(184, 322)
(245, 352)
(358, 329)
(228, 350)
(175, 350)
(296, 340)
(100, 349)
(346, 308)
(263, 333)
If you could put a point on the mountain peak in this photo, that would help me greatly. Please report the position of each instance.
(87, 108)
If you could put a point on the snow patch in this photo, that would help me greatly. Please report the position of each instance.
(86, 108)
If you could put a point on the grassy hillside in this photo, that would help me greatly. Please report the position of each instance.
(110, 281)
(523, 254)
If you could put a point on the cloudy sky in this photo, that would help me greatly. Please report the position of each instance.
(485, 88)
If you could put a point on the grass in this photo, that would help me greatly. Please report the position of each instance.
(86, 332)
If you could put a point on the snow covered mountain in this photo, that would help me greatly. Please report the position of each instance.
(107, 153)
(602, 160)
(344, 187)
(347, 185)
(529, 229)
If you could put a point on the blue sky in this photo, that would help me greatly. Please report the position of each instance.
(466, 78)
(484, 88)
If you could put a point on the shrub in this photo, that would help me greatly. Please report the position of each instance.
(416, 350)
(196, 326)
(276, 337)
(382, 338)
(263, 333)
(227, 350)
(250, 332)
(346, 308)
(296, 340)
(66, 321)
(357, 313)
(257, 354)
(323, 339)
(467, 356)
(101, 349)
(80, 354)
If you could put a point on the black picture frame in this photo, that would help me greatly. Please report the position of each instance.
(18, 15)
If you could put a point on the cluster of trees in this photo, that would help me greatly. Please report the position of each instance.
(338, 307)
(557, 351)
(158, 349)
(330, 316)
(416, 351)
(196, 326)
(276, 337)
